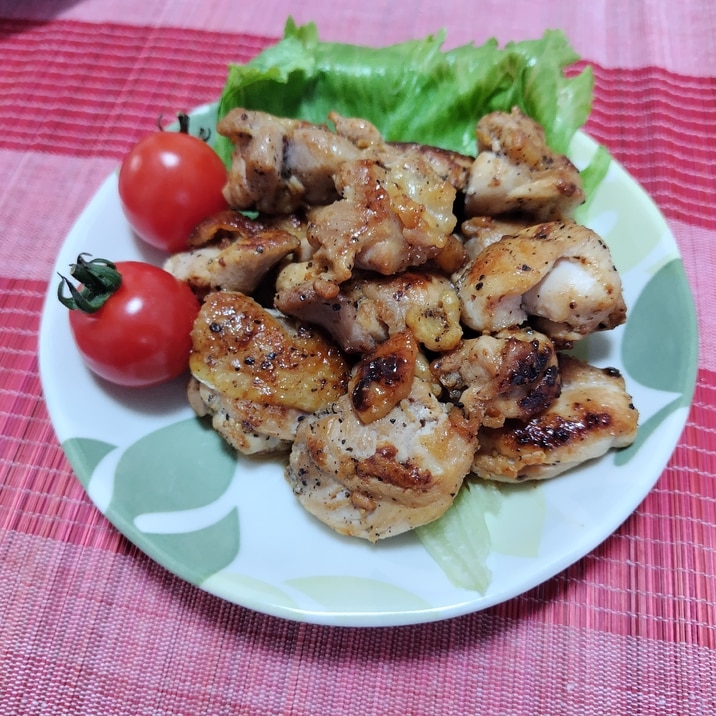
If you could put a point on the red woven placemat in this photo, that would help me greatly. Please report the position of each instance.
(90, 625)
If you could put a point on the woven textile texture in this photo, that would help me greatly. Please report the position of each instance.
(90, 625)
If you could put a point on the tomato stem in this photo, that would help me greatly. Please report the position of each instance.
(99, 279)
(204, 134)
(183, 122)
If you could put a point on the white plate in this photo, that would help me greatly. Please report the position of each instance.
(233, 526)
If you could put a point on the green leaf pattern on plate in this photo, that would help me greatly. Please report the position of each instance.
(516, 526)
(656, 358)
(631, 236)
(175, 469)
(84, 454)
(256, 591)
(194, 555)
(180, 472)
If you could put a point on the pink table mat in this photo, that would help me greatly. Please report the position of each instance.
(90, 625)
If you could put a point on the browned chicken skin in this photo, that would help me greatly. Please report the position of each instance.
(280, 165)
(511, 375)
(375, 206)
(231, 252)
(387, 220)
(383, 478)
(383, 377)
(481, 231)
(516, 171)
(367, 309)
(559, 274)
(593, 414)
(251, 357)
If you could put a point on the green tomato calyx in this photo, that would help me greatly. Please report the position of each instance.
(99, 279)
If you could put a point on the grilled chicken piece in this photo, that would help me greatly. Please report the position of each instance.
(386, 477)
(593, 414)
(254, 359)
(360, 132)
(229, 225)
(248, 426)
(375, 206)
(481, 231)
(297, 225)
(231, 252)
(368, 310)
(511, 375)
(450, 166)
(280, 165)
(223, 228)
(559, 274)
(390, 217)
(383, 377)
(516, 171)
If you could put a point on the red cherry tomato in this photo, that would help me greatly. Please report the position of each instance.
(141, 334)
(168, 183)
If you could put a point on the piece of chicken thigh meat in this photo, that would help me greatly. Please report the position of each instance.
(512, 374)
(367, 310)
(516, 171)
(559, 275)
(259, 373)
(231, 252)
(389, 218)
(593, 414)
(280, 165)
(379, 479)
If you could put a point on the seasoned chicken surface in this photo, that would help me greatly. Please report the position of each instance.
(593, 414)
(516, 171)
(280, 165)
(248, 426)
(511, 375)
(386, 477)
(450, 166)
(481, 231)
(231, 252)
(383, 377)
(247, 354)
(560, 275)
(388, 219)
(367, 310)
(231, 225)
(375, 206)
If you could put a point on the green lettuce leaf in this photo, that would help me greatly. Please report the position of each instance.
(592, 176)
(414, 91)
(460, 540)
